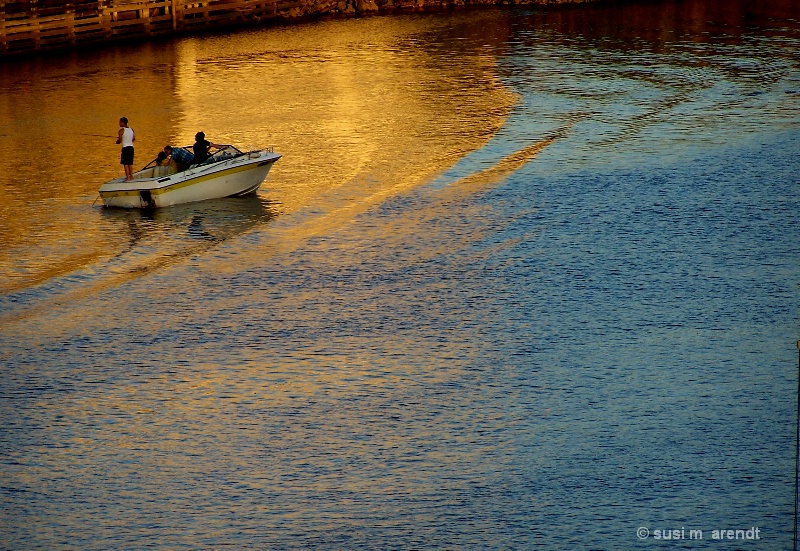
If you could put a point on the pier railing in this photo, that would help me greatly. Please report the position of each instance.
(32, 25)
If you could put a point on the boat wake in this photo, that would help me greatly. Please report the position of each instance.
(161, 238)
(156, 239)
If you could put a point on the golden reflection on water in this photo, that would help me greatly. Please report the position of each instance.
(351, 118)
(59, 121)
(356, 121)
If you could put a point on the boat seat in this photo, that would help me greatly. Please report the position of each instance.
(159, 171)
(155, 172)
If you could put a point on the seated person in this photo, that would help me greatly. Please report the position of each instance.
(180, 157)
(164, 166)
(201, 148)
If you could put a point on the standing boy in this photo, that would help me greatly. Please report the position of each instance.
(126, 138)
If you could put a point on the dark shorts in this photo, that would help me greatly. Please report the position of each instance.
(127, 156)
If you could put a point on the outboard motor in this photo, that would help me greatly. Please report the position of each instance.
(147, 199)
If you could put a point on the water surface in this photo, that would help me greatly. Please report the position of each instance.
(523, 279)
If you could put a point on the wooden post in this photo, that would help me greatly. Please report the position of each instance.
(105, 18)
(144, 15)
(70, 21)
(3, 39)
(37, 32)
(174, 16)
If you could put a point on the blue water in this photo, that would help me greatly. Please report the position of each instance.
(583, 328)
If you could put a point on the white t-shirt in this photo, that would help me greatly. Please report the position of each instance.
(127, 137)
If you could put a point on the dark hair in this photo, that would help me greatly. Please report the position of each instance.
(161, 157)
(168, 147)
(123, 119)
(200, 136)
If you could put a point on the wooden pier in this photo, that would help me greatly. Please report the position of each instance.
(37, 25)
(28, 26)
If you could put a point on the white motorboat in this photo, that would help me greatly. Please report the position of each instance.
(227, 173)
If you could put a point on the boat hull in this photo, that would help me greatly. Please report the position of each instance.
(229, 178)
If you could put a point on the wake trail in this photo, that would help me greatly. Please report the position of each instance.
(284, 235)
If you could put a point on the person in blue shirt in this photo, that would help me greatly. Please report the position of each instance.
(180, 156)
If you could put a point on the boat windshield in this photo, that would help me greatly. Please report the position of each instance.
(227, 152)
